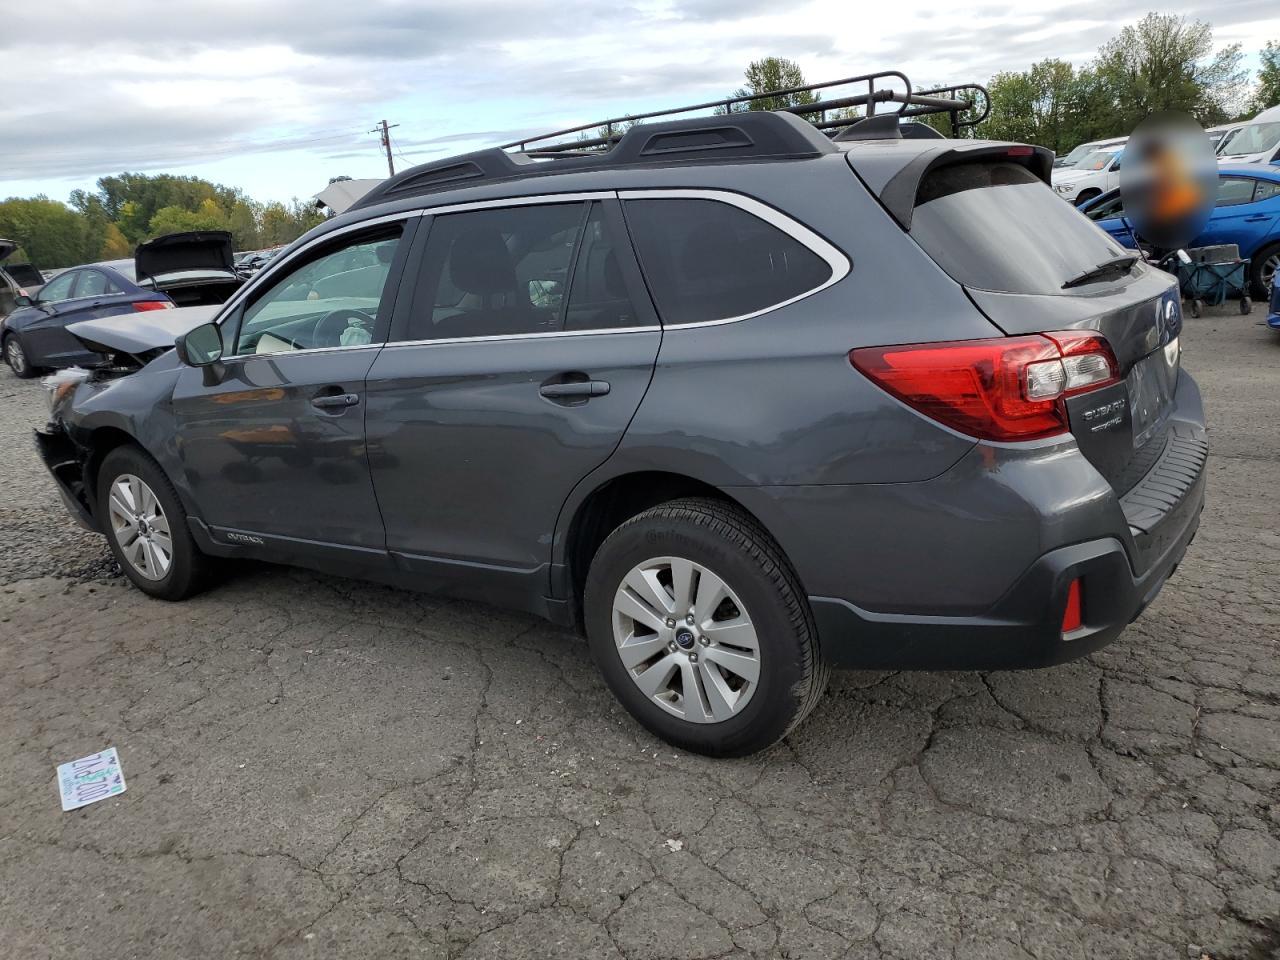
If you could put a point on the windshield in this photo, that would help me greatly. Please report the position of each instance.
(1076, 155)
(995, 226)
(1255, 138)
(1096, 161)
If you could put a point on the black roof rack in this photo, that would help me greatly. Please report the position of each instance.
(734, 132)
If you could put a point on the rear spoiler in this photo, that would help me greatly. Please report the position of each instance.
(898, 194)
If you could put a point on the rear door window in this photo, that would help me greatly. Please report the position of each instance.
(92, 284)
(1233, 191)
(598, 297)
(500, 272)
(996, 226)
(707, 260)
(1265, 190)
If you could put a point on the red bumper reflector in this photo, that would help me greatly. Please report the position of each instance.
(1071, 618)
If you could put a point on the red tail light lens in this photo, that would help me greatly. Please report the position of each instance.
(1072, 618)
(144, 305)
(1008, 388)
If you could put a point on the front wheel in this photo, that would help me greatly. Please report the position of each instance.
(701, 629)
(16, 357)
(1262, 271)
(146, 526)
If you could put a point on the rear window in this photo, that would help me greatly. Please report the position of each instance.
(23, 274)
(996, 226)
(706, 260)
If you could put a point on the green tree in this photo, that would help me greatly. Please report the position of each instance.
(51, 234)
(1267, 92)
(771, 73)
(1165, 62)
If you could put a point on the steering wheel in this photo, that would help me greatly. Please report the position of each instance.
(329, 328)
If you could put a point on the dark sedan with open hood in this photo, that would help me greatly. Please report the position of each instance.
(183, 269)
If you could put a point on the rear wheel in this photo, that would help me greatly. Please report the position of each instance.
(1262, 270)
(146, 526)
(16, 357)
(701, 630)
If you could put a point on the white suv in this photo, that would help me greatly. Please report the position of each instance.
(1092, 176)
(1077, 154)
(1255, 142)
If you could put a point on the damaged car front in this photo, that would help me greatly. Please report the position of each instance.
(96, 407)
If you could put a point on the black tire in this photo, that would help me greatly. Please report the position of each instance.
(1256, 266)
(721, 537)
(16, 357)
(189, 569)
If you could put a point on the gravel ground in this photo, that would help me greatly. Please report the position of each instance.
(324, 768)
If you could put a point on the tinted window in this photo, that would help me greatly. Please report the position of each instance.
(706, 260)
(1266, 189)
(1233, 190)
(996, 226)
(336, 299)
(92, 284)
(489, 273)
(59, 288)
(598, 299)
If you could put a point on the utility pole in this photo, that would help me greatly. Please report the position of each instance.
(383, 128)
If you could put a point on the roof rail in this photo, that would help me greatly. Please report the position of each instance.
(735, 132)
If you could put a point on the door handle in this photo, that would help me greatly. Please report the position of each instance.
(329, 401)
(1254, 218)
(574, 390)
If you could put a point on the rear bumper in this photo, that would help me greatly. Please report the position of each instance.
(1023, 629)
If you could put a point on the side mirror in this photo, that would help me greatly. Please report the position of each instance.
(22, 300)
(200, 346)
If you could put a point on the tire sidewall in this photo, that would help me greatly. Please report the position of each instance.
(769, 712)
(1260, 290)
(177, 583)
(28, 370)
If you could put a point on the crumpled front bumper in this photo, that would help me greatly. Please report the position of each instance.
(63, 461)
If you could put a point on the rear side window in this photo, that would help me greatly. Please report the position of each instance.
(598, 298)
(1233, 191)
(996, 226)
(501, 272)
(92, 284)
(1265, 190)
(706, 260)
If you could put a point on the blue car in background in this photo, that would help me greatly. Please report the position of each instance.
(1247, 213)
(185, 269)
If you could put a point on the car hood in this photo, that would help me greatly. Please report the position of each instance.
(139, 333)
(1071, 175)
(7, 247)
(197, 250)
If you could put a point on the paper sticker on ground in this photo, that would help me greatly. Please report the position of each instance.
(90, 779)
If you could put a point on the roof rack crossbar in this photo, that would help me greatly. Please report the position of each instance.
(868, 78)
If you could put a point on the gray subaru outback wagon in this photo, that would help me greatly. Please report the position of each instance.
(740, 401)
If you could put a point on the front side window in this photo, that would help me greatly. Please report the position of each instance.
(707, 260)
(499, 272)
(59, 288)
(336, 299)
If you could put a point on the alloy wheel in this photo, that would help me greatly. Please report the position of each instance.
(1269, 268)
(140, 527)
(686, 640)
(14, 355)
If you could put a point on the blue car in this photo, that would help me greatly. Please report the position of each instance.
(1247, 214)
(186, 269)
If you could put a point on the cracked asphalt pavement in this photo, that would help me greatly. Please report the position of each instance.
(324, 768)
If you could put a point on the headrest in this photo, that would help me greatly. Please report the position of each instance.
(479, 262)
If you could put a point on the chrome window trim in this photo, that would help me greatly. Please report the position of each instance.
(442, 341)
(541, 199)
(293, 353)
(836, 258)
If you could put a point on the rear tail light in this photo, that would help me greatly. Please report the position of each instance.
(142, 305)
(1072, 617)
(1009, 388)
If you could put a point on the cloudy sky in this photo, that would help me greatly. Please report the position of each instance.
(278, 97)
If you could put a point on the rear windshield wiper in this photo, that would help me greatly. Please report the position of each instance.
(1119, 264)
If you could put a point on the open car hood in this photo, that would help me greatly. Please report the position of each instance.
(7, 247)
(197, 250)
(138, 334)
